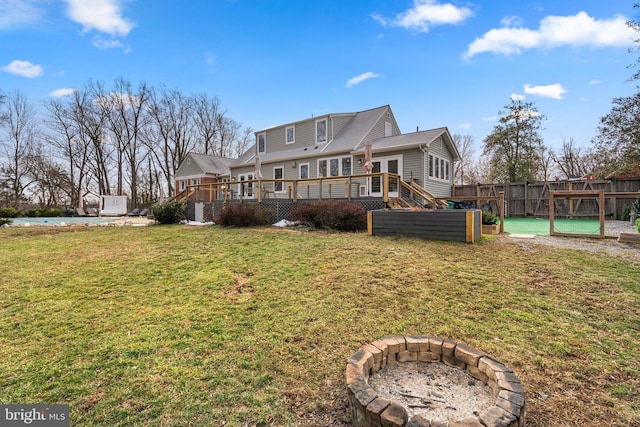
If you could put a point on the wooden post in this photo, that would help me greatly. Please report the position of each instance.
(385, 189)
(259, 191)
(602, 213)
(571, 201)
(551, 203)
(501, 212)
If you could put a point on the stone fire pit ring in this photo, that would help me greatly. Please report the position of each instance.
(367, 408)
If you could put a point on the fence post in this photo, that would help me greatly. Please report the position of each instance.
(501, 212)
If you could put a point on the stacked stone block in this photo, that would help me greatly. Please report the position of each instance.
(367, 409)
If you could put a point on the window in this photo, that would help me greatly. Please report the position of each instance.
(183, 185)
(195, 181)
(278, 173)
(290, 135)
(439, 168)
(262, 142)
(321, 131)
(304, 171)
(334, 167)
(346, 166)
(388, 129)
(245, 189)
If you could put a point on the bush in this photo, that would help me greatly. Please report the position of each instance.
(638, 225)
(43, 212)
(9, 213)
(4, 221)
(489, 218)
(331, 214)
(171, 212)
(243, 215)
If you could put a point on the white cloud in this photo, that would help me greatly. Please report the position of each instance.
(489, 118)
(23, 68)
(362, 77)
(554, 91)
(464, 126)
(425, 13)
(555, 31)
(59, 93)
(511, 21)
(100, 15)
(517, 97)
(595, 82)
(16, 13)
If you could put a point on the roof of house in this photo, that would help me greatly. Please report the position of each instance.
(410, 140)
(211, 164)
(351, 139)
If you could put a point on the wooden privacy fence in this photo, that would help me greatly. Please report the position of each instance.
(532, 198)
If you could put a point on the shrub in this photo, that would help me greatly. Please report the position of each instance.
(243, 215)
(9, 213)
(331, 214)
(4, 221)
(489, 218)
(638, 225)
(171, 212)
(43, 212)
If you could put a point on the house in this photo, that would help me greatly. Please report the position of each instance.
(333, 145)
(200, 169)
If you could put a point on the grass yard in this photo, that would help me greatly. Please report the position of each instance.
(177, 325)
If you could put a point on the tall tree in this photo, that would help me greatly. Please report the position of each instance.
(573, 161)
(126, 117)
(515, 147)
(464, 144)
(170, 135)
(18, 143)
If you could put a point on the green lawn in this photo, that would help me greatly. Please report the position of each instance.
(178, 325)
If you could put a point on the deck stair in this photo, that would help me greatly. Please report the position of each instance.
(412, 195)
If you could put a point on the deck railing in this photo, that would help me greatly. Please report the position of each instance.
(343, 187)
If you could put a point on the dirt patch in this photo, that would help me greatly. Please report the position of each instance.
(435, 391)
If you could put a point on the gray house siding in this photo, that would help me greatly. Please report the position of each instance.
(188, 168)
(440, 188)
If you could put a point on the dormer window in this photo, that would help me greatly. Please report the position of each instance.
(290, 134)
(262, 142)
(321, 131)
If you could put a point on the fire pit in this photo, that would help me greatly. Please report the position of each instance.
(422, 381)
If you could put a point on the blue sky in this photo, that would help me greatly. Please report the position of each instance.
(436, 62)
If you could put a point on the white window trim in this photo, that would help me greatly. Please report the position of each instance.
(308, 170)
(294, 135)
(328, 160)
(275, 184)
(326, 131)
(258, 142)
(431, 172)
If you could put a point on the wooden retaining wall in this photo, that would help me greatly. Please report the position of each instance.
(459, 225)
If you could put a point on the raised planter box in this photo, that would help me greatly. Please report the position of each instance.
(460, 225)
(491, 229)
(629, 237)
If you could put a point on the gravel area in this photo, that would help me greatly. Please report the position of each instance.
(608, 246)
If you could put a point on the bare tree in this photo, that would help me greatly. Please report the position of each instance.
(126, 116)
(478, 171)
(464, 144)
(572, 161)
(170, 135)
(18, 143)
(206, 114)
(243, 143)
